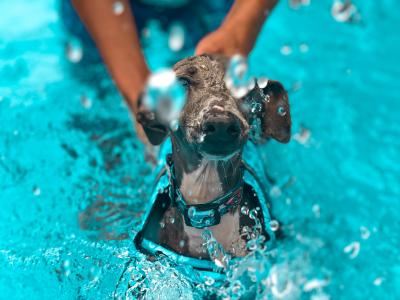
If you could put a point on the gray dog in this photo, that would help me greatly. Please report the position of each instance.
(205, 167)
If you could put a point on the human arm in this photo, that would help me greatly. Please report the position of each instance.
(116, 37)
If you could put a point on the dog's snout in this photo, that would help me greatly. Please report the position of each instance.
(222, 127)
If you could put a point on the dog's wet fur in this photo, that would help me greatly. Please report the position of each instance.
(207, 148)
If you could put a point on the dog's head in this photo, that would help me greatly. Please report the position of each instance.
(213, 121)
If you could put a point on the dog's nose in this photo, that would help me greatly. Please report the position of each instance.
(223, 127)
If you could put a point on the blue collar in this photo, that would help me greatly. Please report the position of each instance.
(207, 214)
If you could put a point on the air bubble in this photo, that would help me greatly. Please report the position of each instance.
(181, 243)
(162, 224)
(118, 8)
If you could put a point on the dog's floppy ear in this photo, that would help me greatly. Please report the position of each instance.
(155, 131)
(275, 112)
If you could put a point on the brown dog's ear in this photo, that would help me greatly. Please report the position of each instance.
(275, 112)
(155, 131)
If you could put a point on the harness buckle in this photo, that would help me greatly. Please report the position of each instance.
(200, 218)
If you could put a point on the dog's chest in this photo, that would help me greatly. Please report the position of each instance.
(227, 234)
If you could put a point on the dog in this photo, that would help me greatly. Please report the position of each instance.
(206, 164)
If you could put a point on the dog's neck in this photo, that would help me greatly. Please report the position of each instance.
(200, 179)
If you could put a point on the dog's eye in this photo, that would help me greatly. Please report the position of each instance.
(186, 81)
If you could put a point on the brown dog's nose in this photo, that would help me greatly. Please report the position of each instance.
(223, 127)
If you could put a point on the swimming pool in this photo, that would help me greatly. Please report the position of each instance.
(65, 145)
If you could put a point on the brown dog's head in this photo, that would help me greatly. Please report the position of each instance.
(215, 123)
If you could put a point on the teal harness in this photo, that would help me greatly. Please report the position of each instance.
(203, 215)
(253, 176)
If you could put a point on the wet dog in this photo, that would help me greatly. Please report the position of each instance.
(206, 160)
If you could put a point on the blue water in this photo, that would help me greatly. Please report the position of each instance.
(67, 142)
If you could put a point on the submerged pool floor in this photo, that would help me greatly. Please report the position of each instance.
(67, 143)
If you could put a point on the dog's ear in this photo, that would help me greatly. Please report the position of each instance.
(275, 112)
(155, 131)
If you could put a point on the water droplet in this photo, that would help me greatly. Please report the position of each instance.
(36, 191)
(176, 37)
(74, 50)
(378, 281)
(192, 212)
(344, 11)
(237, 79)
(256, 107)
(174, 125)
(353, 249)
(281, 111)
(209, 281)
(275, 191)
(286, 50)
(237, 288)
(303, 48)
(165, 95)
(218, 263)
(262, 82)
(181, 243)
(316, 210)
(274, 225)
(365, 233)
(303, 136)
(244, 210)
(118, 8)
(253, 214)
(86, 102)
(298, 3)
(314, 284)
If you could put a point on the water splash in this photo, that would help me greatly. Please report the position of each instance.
(237, 79)
(166, 96)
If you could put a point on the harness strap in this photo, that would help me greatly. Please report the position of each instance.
(207, 214)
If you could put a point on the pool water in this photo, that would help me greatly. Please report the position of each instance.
(67, 145)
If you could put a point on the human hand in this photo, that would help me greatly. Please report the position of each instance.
(227, 41)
